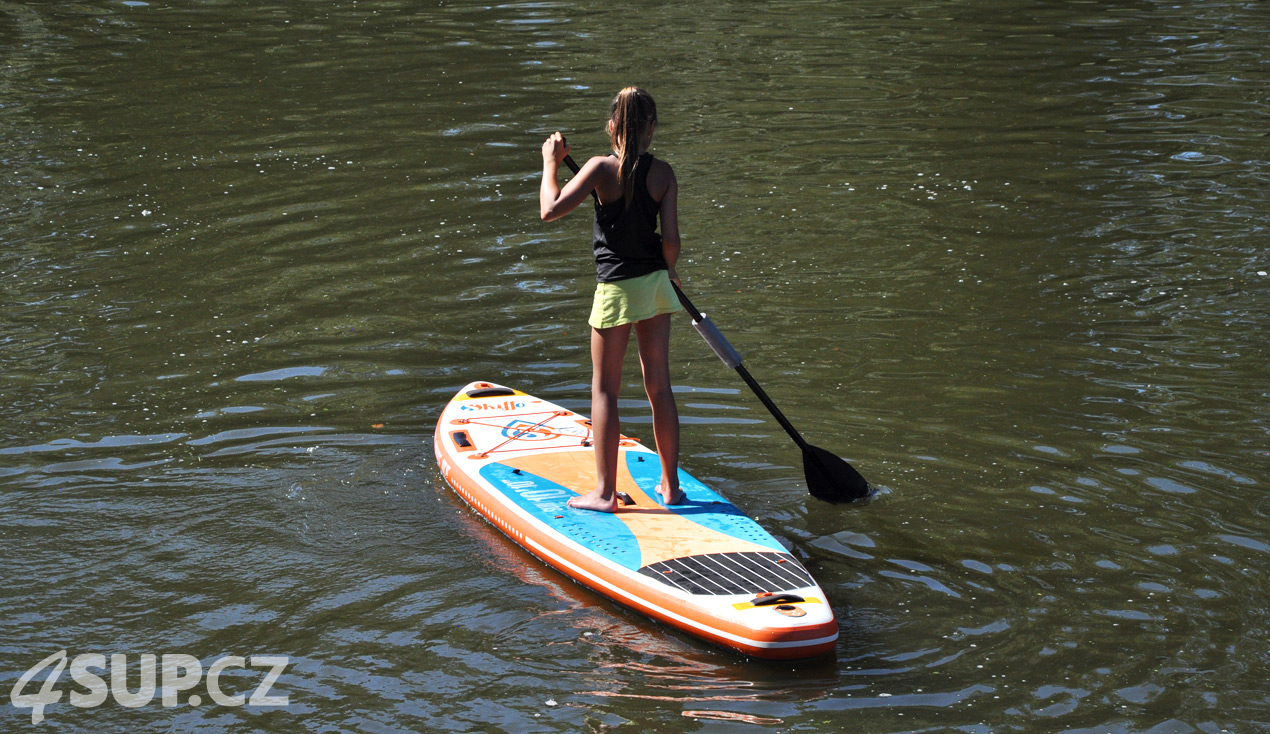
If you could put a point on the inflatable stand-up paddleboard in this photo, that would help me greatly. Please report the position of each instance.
(702, 566)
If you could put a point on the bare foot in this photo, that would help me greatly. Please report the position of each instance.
(674, 497)
(594, 500)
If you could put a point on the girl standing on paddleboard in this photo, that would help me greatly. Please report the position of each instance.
(634, 266)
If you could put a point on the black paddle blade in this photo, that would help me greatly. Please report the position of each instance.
(831, 479)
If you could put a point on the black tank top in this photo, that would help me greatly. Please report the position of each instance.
(626, 241)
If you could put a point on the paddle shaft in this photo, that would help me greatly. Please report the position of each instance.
(710, 333)
(721, 346)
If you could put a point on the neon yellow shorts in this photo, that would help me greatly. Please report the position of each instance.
(633, 299)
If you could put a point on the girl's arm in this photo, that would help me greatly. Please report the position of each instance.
(553, 202)
(669, 215)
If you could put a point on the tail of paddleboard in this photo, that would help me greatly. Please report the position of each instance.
(702, 566)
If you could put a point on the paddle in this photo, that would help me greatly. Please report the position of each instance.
(829, 478)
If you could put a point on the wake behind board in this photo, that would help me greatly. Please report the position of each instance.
(702, 566)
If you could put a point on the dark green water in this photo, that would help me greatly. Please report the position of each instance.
(1008, 258)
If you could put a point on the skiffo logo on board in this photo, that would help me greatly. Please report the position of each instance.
(506, 405)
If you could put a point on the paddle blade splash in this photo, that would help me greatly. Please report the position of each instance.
(831, 479)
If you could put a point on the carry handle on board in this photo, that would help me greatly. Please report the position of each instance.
(490, 392)
(828, 477)
(772, 600)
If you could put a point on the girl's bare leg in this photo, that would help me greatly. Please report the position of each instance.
(653, 336)
(608, 349)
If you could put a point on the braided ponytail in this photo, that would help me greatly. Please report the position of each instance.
(633, 110)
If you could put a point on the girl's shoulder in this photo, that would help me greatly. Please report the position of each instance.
(602, 171)
(607, 164)
(660, 178)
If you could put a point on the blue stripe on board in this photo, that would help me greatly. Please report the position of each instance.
(599, 532)
(701, 504)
